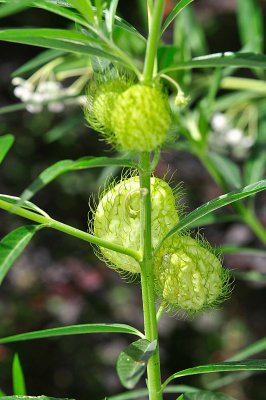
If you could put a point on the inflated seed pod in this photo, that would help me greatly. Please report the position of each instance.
(101, 98)
(141, 118)
(188, 275)
(117, 218)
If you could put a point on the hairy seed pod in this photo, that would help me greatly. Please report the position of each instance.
(117, 218)
(188, 275)
(102, 96)
(141, 118)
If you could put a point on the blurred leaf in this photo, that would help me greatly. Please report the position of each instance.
(27, 204)
(255, 166)
(59, 39)
(61, 167)
(12, 108)
(125, 25)
(19, 387)
(65, 126)
(166, 55)
(72, 330)
(233, 249)
(110, 15)
(32, 398)
(212, 218)
(241, 60)
(250, 276)
(6, 142)
(132, 362)
(13, 7)
(2, 394)
(137, 394)
(228, 170)
(253, 365)
(176, 10)
(12, 245)
(215, 204)
(250, 350)
(38, 61)
(206, 395)
(85, 9)
(250, 22)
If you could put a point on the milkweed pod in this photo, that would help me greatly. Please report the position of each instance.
(188, 275)
(117, 218)
(141, 118)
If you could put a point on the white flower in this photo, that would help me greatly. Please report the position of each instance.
(219, 122)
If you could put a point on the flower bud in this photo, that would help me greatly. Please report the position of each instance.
(141, 118)
(117, 218)
(188, 275)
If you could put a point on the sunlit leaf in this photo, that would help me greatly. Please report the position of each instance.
(72, 330)
(27, 204)
(132, 362)
(12, 245)
(19, 386)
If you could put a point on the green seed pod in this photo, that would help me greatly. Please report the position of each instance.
(102, 95)
(117, 218)
(141, 118)
(188, 275)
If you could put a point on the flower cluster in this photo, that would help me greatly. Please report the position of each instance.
(228, 139)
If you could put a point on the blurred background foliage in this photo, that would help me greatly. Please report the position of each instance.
(58, 280)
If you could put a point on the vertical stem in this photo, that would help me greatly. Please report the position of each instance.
(147, 278)
(153, 39)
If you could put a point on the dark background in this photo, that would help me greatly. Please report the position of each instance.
(58, 280)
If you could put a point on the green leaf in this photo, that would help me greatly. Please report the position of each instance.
(59, 39)
(13, 7)
(214, 204)
(12, 245)
(110, 16)
(212, 218)
(38, 61)
(250, 365)
(250, 22)
(73, 330)
(12, 108)
(206, 395)
(61, 167)
(132, 362)
(27, 204)
(176, 10)
(137, 394)
(6, 142)
(228, 169)
(233, 249)
(250, 350)
(250, 276)
(19, 387)
(32, 398)
(227, 59)
(85, 8)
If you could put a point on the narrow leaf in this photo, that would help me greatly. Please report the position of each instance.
(227, 59)
(32, 398)
(251, 365)
(206, 395)
(110, 16)
(137, 394)
(27, 204)
(38, 61)
(85, 9)
(6, 142)
(13, 7)
(249, 351)
(12, 245)
(132, 362)
(73, 330)
(19, 387)
(59, 39)
(228, 169)
(250, 22)
(61, 167)
(176, 10)
(214, 204)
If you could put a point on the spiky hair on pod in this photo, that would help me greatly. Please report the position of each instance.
(102, 93)
(189, 275)
(117, 218)
(141, 118)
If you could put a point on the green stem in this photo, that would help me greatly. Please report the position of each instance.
(152, 45)
(59, 226)
(147, 278)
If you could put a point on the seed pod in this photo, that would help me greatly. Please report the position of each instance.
(141, 118)
(188, 275)
(117, 218)
(102, 95)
